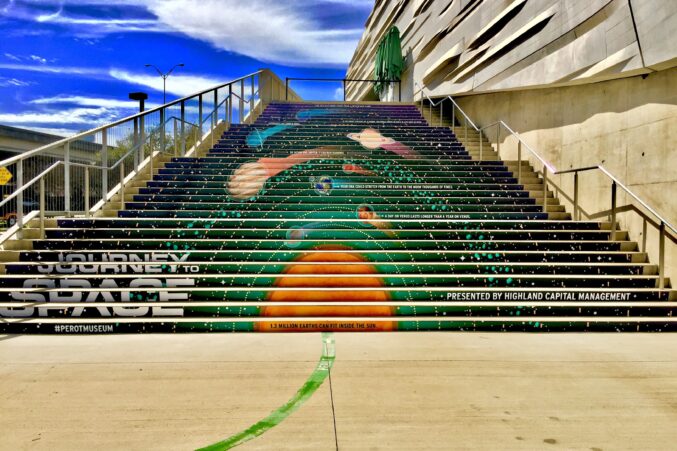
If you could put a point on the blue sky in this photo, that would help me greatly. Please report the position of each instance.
(69, 65)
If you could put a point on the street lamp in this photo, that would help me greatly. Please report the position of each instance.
(164, 79)
(141, 97)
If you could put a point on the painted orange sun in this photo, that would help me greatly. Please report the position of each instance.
(329, 263)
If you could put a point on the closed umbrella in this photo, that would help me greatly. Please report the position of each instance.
(389, 63)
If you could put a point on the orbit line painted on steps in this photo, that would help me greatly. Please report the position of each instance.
(314, 381)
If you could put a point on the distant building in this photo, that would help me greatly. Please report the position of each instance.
(14, 140)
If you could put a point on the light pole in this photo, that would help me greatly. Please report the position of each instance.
(164, 79)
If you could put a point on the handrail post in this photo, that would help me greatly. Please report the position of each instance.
(86, 191)
(199, 112)
(644, 235)
(136, 142)
(104, 161)
(661, 256)
(399, 90)
(176, 140)
(344, 89)
(122, 185)
(613, 210)
(545, 189)
(286, 88)
(577, 216)
(142, 144)
(162, 133)
(230, 105)
(251, 104)
(183, 128)
(150, 162)
(67, 178)
(150, 148)
(215, 110)
(479, 134)
(441, 111)
(498, 138)
(42, 207)
(453, 118)
(241, 101)
(519, 161)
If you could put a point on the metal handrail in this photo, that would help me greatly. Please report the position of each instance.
(116, 135)
(215, 110)
(663, 225)
(344, 81)
(30, 183)
(432, 103)
(604, 170)
(84, 134)
(529, 148)
(245, 100)
(40, 178)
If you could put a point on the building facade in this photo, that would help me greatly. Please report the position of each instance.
(584, 82)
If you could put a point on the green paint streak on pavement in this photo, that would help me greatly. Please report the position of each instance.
(313, 382)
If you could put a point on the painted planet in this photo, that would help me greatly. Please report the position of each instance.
(314, 290)
(247, 180)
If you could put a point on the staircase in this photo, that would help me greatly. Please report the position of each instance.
(332, 216)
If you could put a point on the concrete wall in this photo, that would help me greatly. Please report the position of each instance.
(627, 125)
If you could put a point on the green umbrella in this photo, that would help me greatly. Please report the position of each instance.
(389, 62)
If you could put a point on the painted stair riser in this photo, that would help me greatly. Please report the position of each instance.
(433, 224)
(224, 326)
(166, 256)
(323, 215)
(311, 233)
(186, 244)
(461, 312)
(192, 267)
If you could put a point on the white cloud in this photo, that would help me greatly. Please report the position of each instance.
(13, 82)
(95, 26)
(53, 131)
(338, 93)
(12, 57)
(7, 7)
(178, 84)
(182, 85)
(87, 102)
(50, 17)
(86, 116)
(272, 31)
(70, 70)
(268, 30)
(38, 59)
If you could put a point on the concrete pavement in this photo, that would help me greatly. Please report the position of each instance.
(399, 391)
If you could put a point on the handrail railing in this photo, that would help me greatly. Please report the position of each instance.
(663, 225)
(87, 133)
(344, 81)
(128, 144)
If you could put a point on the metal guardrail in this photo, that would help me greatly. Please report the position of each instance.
(108, 156)
(344, 81)
(664, 227)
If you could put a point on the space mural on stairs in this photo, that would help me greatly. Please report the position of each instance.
(322, 205)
